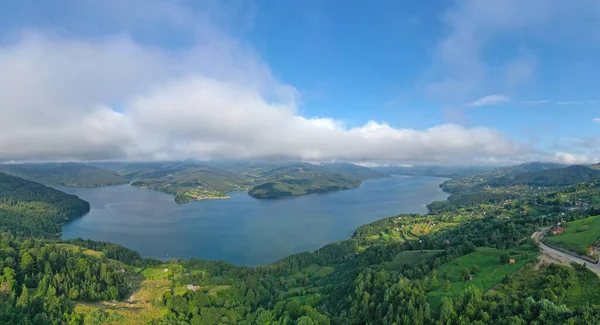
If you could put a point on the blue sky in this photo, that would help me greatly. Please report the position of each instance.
(452, 82)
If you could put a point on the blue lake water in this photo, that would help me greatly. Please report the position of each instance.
(243, 230)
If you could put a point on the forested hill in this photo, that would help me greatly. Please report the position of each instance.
(473, 180)
(354, 171)
(299, 179)
(552, 178)
(190, 181)
(63, 174)
(32, 209)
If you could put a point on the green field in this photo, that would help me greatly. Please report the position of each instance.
(415, 229)
(491, 271)
(411, 258)
(578, 235)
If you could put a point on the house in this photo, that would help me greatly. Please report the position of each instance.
(193, 287)
(122, 271)
(558, 230)
(511, 261)
(165, 270)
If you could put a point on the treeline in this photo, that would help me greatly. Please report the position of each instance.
(378, 226)
(469, 199)
(114, 251)
(38, 280)
(31, 209)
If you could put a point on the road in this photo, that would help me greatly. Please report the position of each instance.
(560, 256)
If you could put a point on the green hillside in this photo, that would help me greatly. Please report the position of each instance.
(478, 179)
(579, 235)
(31, 209)
(63, 174)
(298, 179)
(186, 182)
(190, 181)
(551, 178)
(482, 269)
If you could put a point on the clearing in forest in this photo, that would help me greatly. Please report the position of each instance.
(460, 273)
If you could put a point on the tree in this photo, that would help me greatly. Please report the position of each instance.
(465, 273)
(304, 320)
(504, 258)
(475, 269)
(447, 312)
(27, 263)
(23, 300)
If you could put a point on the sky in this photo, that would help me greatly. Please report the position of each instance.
(464, 82)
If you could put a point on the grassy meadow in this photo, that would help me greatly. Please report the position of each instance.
(578, 235)
(491, 271)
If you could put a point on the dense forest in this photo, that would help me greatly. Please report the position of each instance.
(31, 209)
(39, 280)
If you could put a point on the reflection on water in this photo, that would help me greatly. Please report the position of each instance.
(243, 230)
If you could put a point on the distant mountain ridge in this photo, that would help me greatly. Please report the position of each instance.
(187, 182)
(552, 177)
(479, 179)
(63, 174)
(190, 181)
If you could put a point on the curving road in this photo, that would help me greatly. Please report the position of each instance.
(561, 256)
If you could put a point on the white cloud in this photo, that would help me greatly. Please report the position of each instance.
(574, 159)
(69, 98)
(116, 99)
(490, 100)
(596, 120)
(569, 103)
(535, 102)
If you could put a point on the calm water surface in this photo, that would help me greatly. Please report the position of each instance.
(243, 230)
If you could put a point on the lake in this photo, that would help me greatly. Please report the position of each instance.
(243, 230)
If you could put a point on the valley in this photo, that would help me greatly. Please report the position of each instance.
(464, 256)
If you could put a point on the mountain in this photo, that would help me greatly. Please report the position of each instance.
(299, 179)
(477, 179)
(186, 182)
(190, 181)
(354, 171)
(32, 209)
(63, 174)
(552, 177)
